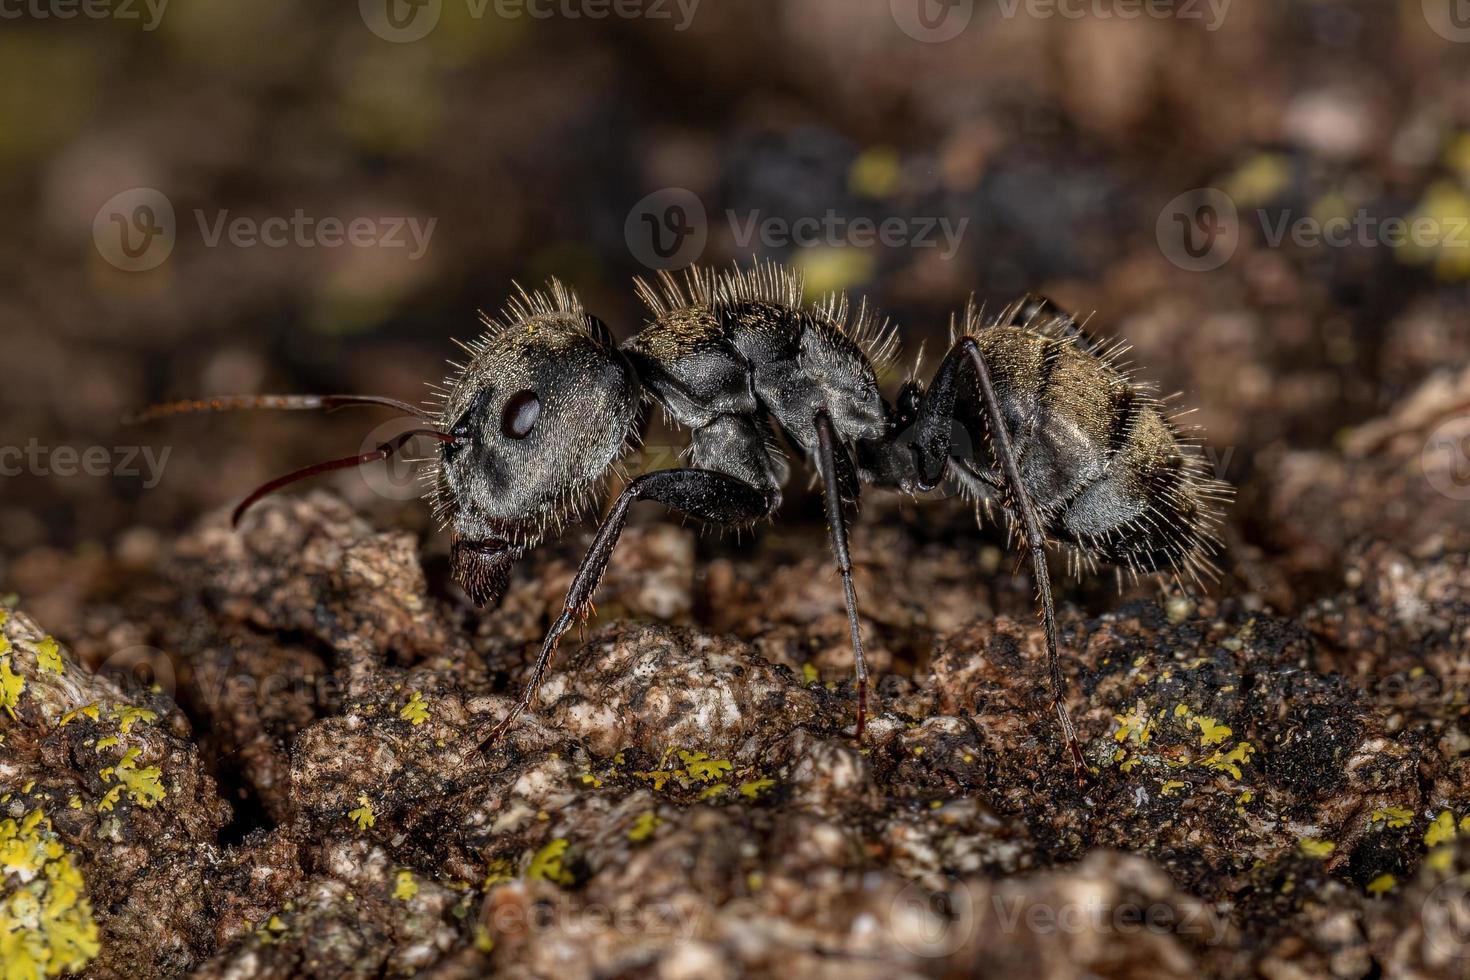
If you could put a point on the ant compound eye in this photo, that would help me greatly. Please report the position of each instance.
(520, 415)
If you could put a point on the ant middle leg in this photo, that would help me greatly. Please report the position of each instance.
(714, 498)
(964, 361)
(832, 461)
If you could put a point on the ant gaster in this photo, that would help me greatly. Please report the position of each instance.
(1058, 435)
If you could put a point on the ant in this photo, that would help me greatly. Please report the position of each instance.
(1065, 442)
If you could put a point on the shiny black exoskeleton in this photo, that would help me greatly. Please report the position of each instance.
(1051, 429)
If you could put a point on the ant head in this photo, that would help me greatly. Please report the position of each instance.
(539, 413)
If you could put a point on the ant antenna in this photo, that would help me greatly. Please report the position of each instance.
(232, 403)
(384, 451)
(326, 403)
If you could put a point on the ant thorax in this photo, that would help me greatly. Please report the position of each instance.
(734, 357)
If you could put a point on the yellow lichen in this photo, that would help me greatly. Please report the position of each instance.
(710, 792)
(484, 942)
(363, 816)
(1135, 725)
(547, 865)
(406, 888)
(416, 711)
(644, 827)
(144, 786)
(657, 777)
(1170, 786)
(809, 673)
(755, 787)
(48, 655)
(1441, 859)
(128, 715)
(1382, 885)
(1312, 847)
(11, 686)
(589, 779)
(106, 743)
(46, 924)
(1392, 816)
(700, 766)
(1441, 830)
(1211, 732)
(498, 872)
(271, 931)
(1232, 760)
(92, 711)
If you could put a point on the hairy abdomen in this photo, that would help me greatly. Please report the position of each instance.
(1101, 460)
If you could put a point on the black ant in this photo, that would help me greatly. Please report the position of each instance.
(548, 402)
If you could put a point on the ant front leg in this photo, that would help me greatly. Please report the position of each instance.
(831, 456)
(931, 451)
(708, 496)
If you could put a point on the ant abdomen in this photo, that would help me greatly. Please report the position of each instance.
(1102, 462)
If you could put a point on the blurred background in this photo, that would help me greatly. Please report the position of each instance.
(1268, 199)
